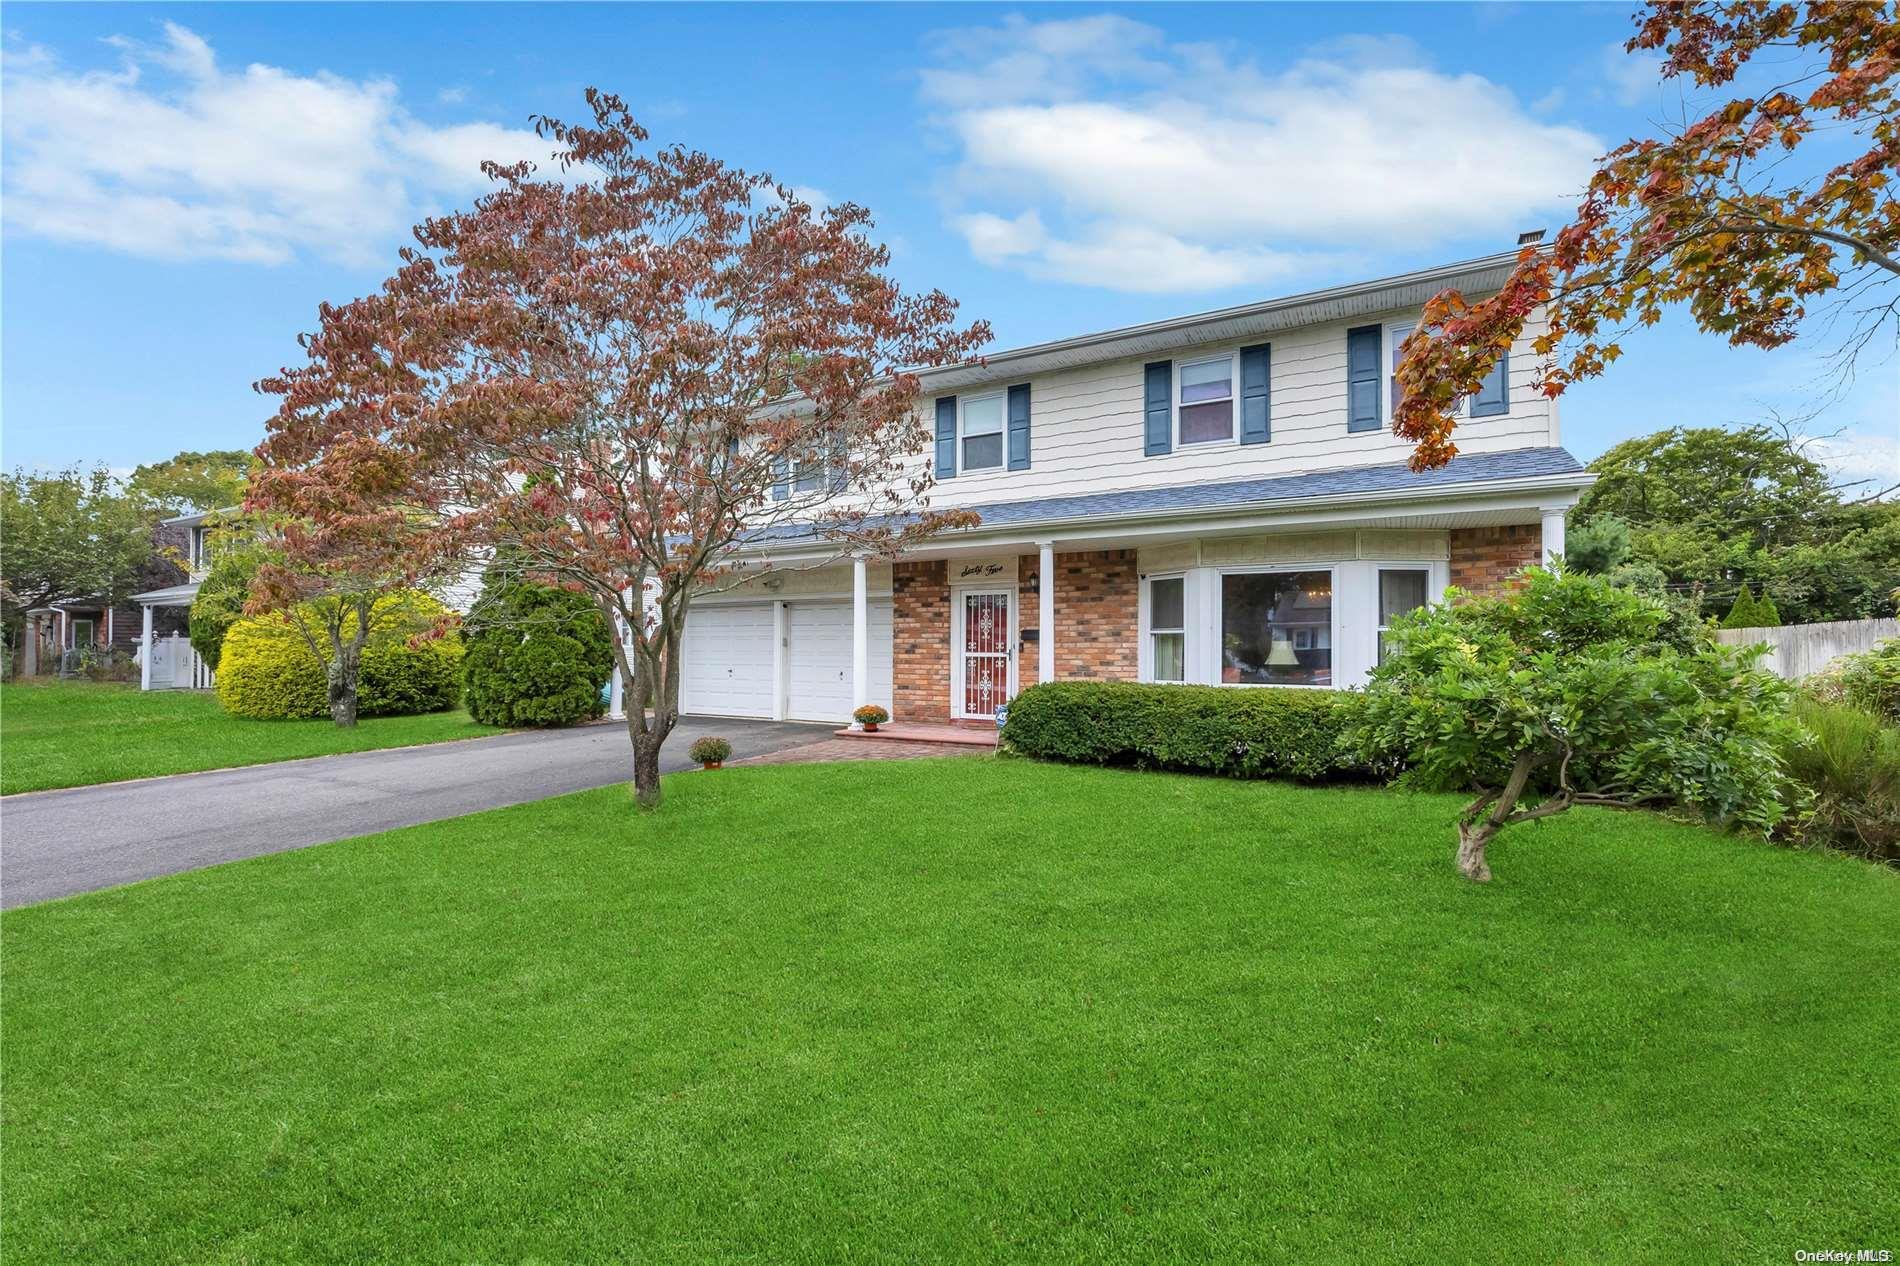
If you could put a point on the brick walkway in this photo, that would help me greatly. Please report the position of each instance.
(857, 749)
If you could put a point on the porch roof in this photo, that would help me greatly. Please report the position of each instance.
(1520, 469)
(174, 596)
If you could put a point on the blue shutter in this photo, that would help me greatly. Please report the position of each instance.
(839, 459)
(781, 478)
(1157, 408)
(1019, 427)
(1256, 401)
(946, 436)
(1494, 394)
(1362, 378)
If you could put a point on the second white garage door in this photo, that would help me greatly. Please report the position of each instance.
(818, 659)
(727, 669)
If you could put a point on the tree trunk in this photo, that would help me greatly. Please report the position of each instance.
(1472, 837)
(646, 770)
(344, 668)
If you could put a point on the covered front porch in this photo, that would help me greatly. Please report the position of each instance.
(167, 660)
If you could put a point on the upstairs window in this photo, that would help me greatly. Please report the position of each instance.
(983, 432)
(1206, 400)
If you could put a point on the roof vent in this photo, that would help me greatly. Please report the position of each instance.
(1531, 238)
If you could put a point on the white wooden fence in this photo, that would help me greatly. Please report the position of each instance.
(1802, 650)
(176, 666)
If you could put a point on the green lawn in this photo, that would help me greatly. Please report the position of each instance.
(72, 734)
(961, 1010)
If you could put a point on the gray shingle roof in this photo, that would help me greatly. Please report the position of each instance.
(1529, 464)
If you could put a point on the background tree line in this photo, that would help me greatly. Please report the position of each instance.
(1711, 513)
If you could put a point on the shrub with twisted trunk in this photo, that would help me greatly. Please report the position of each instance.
(1570, 691)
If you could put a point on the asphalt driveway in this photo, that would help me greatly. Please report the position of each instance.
(56, 843)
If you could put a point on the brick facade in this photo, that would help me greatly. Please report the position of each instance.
(1097, 626)
(1483, 560)
(920, 641)
(1098, 617)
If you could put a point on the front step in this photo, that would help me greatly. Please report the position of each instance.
(915, 732)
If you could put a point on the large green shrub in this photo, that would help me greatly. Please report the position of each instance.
(1240, 733)
(1849, 763)
(1869, 681)
(1570, 690)
(537, 655)
(269, 672)
(220, 603)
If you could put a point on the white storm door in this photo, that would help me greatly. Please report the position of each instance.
(983, 666)
(728, 661)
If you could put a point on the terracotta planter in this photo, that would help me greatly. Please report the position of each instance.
(870, 727)
(712, 764)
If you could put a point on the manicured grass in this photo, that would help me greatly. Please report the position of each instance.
(72, 734)
(961, 1010)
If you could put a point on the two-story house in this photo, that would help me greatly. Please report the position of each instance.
(1214, 498)
(166, 658)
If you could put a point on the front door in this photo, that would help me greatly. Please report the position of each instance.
(986, 652)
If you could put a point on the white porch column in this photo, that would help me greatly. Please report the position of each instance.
(616, 695)
(1553, 534)
(1046, 611)
(145, 654)
(860, 638)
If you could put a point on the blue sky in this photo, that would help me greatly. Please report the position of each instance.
(185, 184)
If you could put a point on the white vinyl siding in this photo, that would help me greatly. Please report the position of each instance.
(1089, 425)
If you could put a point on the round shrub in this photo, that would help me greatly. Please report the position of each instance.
(536, 655)
(267, 670)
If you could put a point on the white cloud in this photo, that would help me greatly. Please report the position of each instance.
(1867, 458)
(173, 156)
(1631, 78)
(1079, 139)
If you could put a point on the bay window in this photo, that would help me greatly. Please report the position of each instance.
(1400, 591)
(1205, 397)
(1167, 629)
(1276, 628)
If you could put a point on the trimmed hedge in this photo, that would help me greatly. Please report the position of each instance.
(1252, 733)
(268, 672)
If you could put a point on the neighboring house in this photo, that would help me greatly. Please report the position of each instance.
(57, 631)
(1215, 498)
(164, 613)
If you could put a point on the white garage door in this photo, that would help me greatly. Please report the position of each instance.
(727, 667)
(818, 659)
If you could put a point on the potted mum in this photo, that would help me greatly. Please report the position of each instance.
(710, 751)
(870, 716)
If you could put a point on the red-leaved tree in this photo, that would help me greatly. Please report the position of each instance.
(340, 538)
(1738, 214)
(615, 377)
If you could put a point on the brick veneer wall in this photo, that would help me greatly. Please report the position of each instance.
(1483, 560)
(1098, 617)
(1097, 626)
(920, 641)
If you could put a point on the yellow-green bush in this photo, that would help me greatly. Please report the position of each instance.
(267, 670)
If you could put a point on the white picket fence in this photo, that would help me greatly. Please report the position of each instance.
(1802, 650)
(176, 666)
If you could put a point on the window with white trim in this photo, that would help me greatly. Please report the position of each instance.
(1276, 628)
(1401, 590)
(1395, 336)
(1167, 628)
(981, 440)
(1204, 400)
